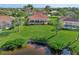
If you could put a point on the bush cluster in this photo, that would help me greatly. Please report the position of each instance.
(13, 44)
(42, 40)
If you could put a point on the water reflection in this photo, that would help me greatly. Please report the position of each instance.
(47, 50)
(43, 46)
(66, 52)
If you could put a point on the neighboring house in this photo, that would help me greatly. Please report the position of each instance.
(38, 18)
(5, 21)
(54, 13)
(69, 23)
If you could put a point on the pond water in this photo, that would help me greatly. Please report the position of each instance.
(1, 49)
(38, 48)
(47, 49)
(39, 45)
(66, 52)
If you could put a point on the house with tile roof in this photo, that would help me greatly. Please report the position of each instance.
(6, 21)
(69, 22)
(38, 18)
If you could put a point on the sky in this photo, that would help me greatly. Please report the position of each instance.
(38, 5)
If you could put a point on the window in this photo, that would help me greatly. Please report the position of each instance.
(41, 21)
(37, 21)
(32, 21)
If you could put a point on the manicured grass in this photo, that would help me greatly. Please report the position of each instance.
(60, 40)
(53, 20)
(27, 32)
(63, 38)
(44, 31)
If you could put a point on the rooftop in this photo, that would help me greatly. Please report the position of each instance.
(66, 18)
(38, 15)
(5, 18)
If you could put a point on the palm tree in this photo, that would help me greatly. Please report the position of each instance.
(17, 19)
(57, 25)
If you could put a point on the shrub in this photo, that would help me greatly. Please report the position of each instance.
(42, 40)
(2, 34)
(13, 44)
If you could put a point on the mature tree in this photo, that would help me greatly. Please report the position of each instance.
(47, 8)
(28, 6)
(71, 14)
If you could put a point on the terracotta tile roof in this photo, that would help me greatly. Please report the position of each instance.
(66, 18)
(4, 18)
(38, 15)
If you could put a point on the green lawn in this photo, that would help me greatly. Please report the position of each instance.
(63, 38)
(27, 32)
(45, 31)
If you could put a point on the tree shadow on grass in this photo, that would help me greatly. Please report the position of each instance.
(3, 34)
